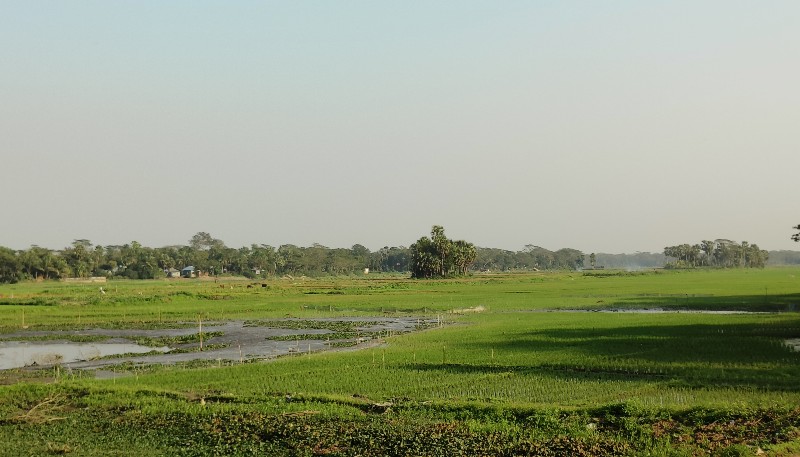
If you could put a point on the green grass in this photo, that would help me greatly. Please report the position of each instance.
(541, 359)
(155, 303)
(512, 380)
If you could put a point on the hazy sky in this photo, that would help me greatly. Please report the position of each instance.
(614, 126)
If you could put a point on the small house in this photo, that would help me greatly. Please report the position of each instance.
(172, 273)
(188, 272)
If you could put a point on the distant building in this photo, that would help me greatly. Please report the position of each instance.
(188, 272)
(172, 273)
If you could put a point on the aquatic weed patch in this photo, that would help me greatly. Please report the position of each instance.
(327, 336)
(59, 337)
(303, 324)
(171, 341)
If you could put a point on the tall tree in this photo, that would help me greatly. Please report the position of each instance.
(464, 255)
(438, 256)
(203, 241)
(425, 261)
(707, 247)
(442, 246)
(720, 253)
(10, 271)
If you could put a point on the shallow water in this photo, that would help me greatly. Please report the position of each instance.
(17, 354)
(234, 342)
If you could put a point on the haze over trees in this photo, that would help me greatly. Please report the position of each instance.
(531, 258)
(718, 253)
(633, 261)
(440, 257)
(435, 256)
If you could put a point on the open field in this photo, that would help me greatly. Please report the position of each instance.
(523, 365)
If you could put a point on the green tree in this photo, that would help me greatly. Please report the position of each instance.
(289, 259)
(10, 271)
(438, 256)
(203, 241)
(80, 258)
(707, 247)
(464, 255)
(425, 261)
(442, 247)
(390, 259)
(262, 258)
(719, 253)
(570, 259)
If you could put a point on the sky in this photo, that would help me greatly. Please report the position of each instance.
(615, 126)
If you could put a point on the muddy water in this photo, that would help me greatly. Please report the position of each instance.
(17, 354)
(236, 343)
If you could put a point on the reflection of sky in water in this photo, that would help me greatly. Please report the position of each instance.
(14, 354)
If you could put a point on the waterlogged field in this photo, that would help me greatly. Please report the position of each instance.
(535, 364)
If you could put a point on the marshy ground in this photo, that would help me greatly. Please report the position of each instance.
(230, 341)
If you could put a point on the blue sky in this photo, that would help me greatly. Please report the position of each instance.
(603, 126)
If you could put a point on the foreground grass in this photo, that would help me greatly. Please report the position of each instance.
(541, 359)
(509, 381)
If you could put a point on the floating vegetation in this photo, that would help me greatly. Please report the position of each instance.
(305, 324)
(176, 340)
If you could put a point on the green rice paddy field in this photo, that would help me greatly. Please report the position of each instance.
(523, 364)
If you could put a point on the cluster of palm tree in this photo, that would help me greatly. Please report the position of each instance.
(718, 253)
(440, 257)
(531, 258)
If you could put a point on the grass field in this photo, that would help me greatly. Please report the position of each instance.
(547, 368)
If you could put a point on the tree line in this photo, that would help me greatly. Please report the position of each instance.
(718, 253)
(429, 257)
(436, 256)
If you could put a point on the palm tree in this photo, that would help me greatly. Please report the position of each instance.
(443, 248)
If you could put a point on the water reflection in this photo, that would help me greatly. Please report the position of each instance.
(16, 354)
